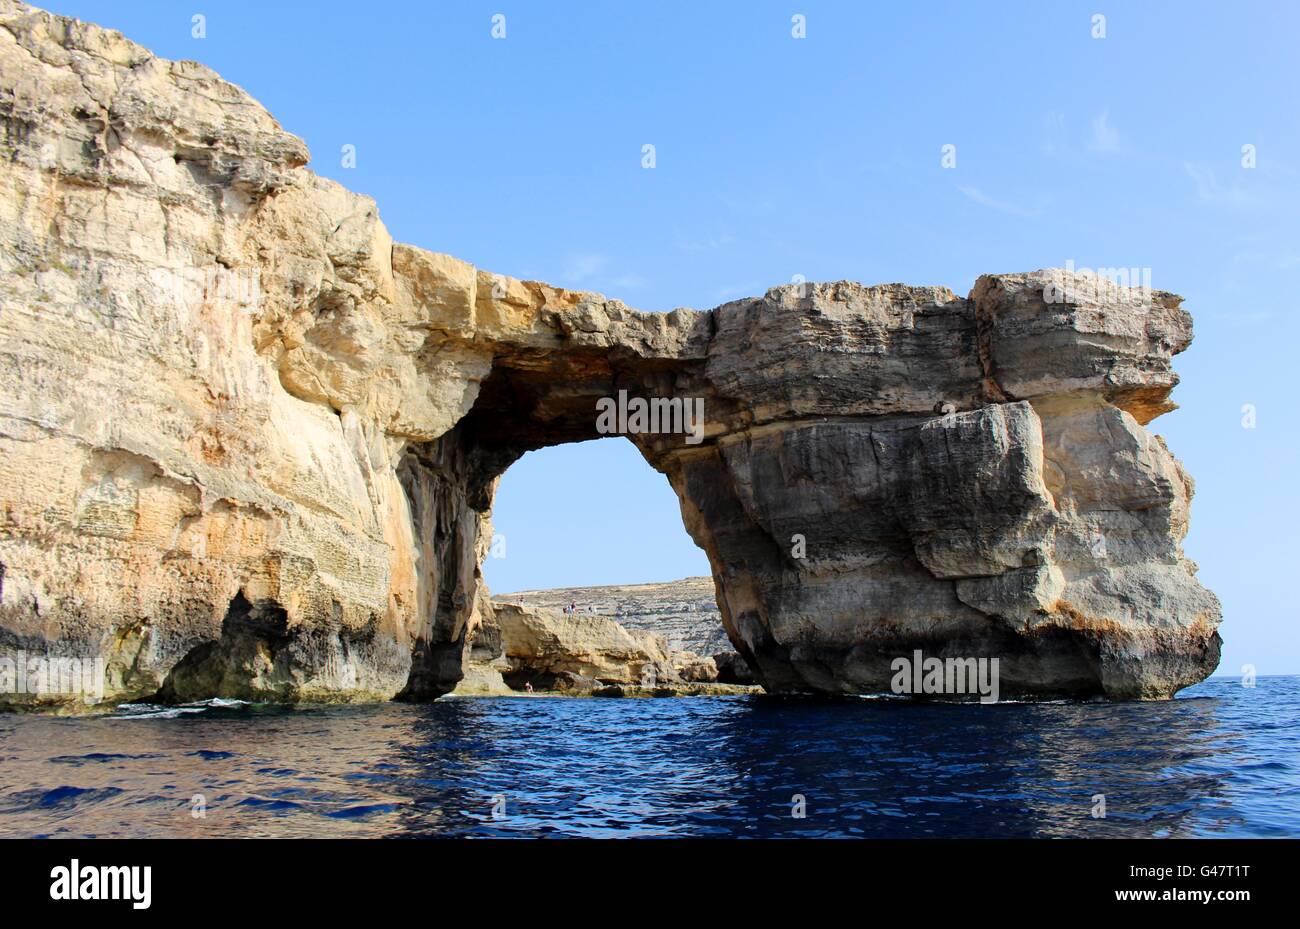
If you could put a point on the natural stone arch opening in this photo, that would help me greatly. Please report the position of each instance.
(529, 401)
(587, 515)
(595, 584)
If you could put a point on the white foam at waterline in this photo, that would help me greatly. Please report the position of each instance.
(152, 711)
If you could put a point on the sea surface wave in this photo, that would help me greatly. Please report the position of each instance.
(1221, 760)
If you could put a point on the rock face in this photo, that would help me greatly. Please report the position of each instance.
(684, 612)
(248, 444)
(551, 650)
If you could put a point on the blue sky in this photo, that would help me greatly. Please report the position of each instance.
(821, 156)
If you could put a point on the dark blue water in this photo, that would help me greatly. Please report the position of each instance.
(1222, 760)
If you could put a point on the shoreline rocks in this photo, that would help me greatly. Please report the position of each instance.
(516, 647)
(685, 612)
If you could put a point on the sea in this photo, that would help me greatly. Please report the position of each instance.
(1220, 760)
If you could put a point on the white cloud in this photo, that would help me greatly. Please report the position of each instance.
(1209, 190)
(591, 271)
(1054, 132)
(584, 267)
(735, 291)
(707, 243)
(1002, 206)
(1105, 137)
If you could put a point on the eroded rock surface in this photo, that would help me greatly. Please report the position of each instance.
(248, 444)
(549, 649)
(684, 612)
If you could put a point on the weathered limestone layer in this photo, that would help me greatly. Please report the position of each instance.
(516, 647)
(684, 611)
(249, 444)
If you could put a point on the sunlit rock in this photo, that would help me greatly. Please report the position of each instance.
(249, 445)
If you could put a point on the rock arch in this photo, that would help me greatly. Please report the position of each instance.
(224, 384)
(946, 466)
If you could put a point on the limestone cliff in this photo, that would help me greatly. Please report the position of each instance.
(248, 444)
(684, 612)
(548, 649)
